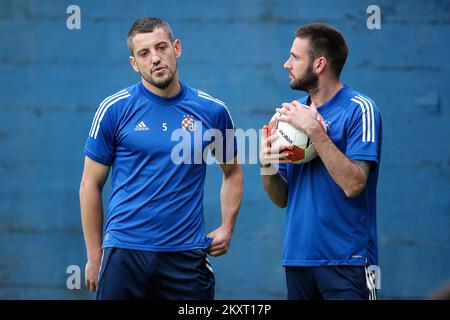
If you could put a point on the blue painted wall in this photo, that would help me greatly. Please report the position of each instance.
(52, 79)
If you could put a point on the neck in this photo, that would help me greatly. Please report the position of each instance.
(325, 92)
(172, 90)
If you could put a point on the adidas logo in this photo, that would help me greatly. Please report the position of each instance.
(141, 127)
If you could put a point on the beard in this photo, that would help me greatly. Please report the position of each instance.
(308, 82)
(160, 82)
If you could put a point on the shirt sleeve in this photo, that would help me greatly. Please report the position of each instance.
(225, 150)
(364, 133)
(100, 144)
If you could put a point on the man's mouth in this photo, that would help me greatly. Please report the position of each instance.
(158, 69)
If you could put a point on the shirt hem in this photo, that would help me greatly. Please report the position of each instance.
(321, 263)
(364, 157)
(155, 248)
(96, 157)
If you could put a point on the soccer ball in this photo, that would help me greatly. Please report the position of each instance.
(299, 146)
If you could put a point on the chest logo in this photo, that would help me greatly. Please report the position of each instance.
(141, 127)
(188, 123)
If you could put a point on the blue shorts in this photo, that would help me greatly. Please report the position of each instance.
(329, 283)
(131, 274)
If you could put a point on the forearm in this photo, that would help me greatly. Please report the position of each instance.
(277, 189)
(347, 175)
(92, 219)
(231, 197)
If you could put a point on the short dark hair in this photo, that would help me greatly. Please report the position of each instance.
(325, 41)
(145, 25)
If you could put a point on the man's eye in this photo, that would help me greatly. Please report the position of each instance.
(161, 48)
(143, 54)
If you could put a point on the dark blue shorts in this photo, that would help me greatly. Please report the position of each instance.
(132, 274)
(329, 283)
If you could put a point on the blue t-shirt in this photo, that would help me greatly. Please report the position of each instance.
(155, 148)
(323, 226)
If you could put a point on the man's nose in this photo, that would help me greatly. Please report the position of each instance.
(156, 58)
(286, 65)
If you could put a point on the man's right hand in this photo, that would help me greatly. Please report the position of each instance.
(269, 155)
(91, 272)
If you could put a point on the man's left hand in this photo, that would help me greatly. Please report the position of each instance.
(298, 116)
(221, 241)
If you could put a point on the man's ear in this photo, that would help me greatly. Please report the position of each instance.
(177, 46)
(320, 64)
(133, 63)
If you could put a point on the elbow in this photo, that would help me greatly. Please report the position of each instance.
(351, 194)
(279, 200)
(82, 190)
(87, 187)
(281, 204)
(354, 190)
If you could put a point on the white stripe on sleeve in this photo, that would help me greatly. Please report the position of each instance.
(371, 116)
(104, 111)
(369, 122)
(363, 109)
(206, 96)
(100, 108)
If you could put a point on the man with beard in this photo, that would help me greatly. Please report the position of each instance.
(330, 245)
(154, 243)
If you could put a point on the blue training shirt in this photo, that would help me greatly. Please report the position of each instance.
(323, 226)
(155, 149)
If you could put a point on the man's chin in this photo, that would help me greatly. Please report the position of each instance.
(297, 86)
(162, 83)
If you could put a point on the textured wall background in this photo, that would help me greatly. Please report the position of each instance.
(52, 79)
